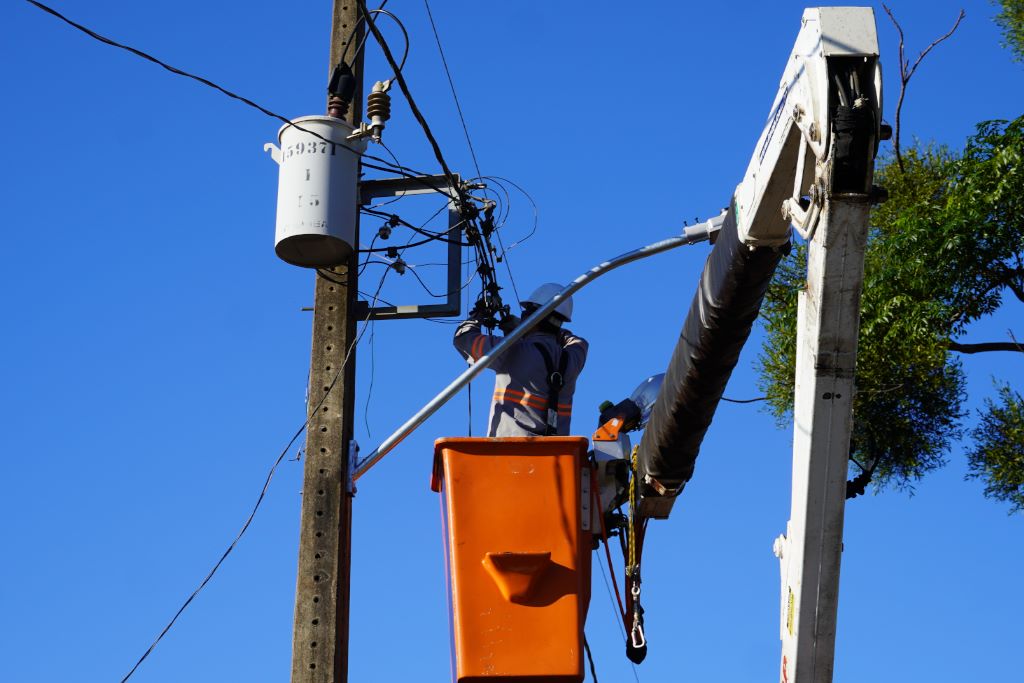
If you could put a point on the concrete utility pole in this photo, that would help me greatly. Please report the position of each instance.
(320, 639)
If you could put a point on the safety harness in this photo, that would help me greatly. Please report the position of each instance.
(556, 382)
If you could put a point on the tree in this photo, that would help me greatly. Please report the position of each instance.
(943, 252)
(1011, 21)
(997, 456)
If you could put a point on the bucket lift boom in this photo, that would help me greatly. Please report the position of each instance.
(812, 170)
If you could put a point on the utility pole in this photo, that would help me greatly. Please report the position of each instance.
(320, 637)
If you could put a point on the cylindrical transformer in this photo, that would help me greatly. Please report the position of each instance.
(317, 191)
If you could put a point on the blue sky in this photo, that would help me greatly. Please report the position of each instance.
(155, 354)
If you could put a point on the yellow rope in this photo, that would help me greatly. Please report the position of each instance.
(632, 509)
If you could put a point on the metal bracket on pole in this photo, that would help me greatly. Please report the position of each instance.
(404, 187)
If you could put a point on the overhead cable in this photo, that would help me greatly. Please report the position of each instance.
(408, 96)
(362, 43)
(439, 236)
(529, 198)
(590, 658)
(465, 130)
(451, 84)
(179, 72)
(263, 492)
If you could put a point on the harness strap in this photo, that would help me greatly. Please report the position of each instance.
(556, 382)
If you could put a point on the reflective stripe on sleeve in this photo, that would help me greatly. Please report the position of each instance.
(477, 349)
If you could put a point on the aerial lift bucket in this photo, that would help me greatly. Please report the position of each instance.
(518, 544)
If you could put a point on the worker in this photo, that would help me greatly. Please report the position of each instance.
(536, 377)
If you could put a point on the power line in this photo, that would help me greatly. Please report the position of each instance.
(482, 243)
(404, 171)
(503, 206)
(367, 262)
(617, 615)
(373, 372)
(362, 43)
(263, 493)
(529, 198)
(440, 236)
(417, 114)
(451, 84)
(139, 53)
(398, 163)
(405, 246)
(423, 181)
(465, 130)
(179, 72)
(590, 658)
(427, 289)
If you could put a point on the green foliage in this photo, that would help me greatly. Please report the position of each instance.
(942, 253)
(997, 456)
(1011, 20)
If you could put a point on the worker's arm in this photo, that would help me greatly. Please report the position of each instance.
(472, 342)
(577, 348)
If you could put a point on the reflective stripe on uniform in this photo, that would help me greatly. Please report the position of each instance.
(530, 400)
(477, 349)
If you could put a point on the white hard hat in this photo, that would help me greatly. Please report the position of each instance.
(545, 293)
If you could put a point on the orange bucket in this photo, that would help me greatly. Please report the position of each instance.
(518, 553)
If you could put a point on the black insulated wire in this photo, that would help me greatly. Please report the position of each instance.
(469, 142)
(362, 43)
(263, 491)
(417, 114)
(590, 659)
(263, 110)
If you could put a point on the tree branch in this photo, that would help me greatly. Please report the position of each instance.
(984, 347)
(956, 24)
(1016, 286)
(907, 71)
(1011, 278)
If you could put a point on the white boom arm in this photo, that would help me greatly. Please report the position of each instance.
(814, 161)
(794, 159)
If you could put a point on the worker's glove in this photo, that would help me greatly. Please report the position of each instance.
(478, 312)
(509, 323)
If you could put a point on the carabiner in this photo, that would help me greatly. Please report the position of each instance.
(636, 634)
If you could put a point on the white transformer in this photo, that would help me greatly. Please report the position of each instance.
(316, 191)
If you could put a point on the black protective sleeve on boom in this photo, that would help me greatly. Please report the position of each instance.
(727, 302)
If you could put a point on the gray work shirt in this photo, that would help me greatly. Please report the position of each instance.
(520, 402)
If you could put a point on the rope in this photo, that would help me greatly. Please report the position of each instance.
(604, 537)
(636, 642)
(633, 484)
